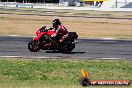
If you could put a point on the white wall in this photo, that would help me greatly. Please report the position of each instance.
(113, 4)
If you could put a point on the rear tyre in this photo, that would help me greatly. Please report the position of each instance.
(68, 48)
(33, 46)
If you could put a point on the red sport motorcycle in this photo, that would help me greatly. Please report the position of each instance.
(45, 42)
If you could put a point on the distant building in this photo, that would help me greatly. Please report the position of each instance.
(32, 1)
(88, 3)
(69, 2)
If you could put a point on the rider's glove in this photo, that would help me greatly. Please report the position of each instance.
(53, 35)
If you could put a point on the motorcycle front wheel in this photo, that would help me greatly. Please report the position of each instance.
(33, 46)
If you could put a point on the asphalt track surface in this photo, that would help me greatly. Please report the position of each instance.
(85, 49)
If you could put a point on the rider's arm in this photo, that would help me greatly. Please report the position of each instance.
(56, 32)
(65, 29)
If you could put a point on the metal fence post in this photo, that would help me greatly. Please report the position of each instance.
(116, 3)
(125, 2)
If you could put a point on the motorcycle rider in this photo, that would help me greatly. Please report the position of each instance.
(60, 31)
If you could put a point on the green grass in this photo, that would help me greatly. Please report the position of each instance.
(59, 73)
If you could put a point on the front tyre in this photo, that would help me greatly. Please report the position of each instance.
(33, 46)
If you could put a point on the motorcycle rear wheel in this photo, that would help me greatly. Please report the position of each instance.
(33, 46)
(68, 48)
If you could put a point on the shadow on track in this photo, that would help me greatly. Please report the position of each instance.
(53, 51)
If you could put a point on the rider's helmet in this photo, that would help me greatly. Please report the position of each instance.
(56, 22)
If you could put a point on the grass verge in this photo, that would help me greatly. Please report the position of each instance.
(59, 73)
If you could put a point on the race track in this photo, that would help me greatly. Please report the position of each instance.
(86, 48)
